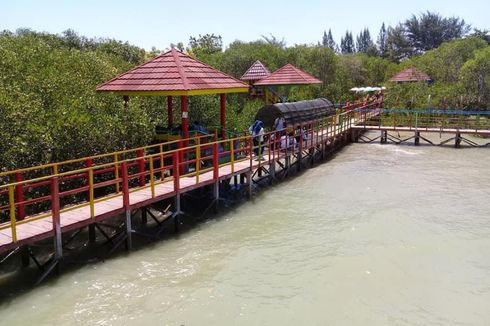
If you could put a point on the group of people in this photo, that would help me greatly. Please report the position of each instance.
(288, 140)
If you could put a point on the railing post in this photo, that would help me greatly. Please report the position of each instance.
(116, 171)
(19, 196)
(198, 159)
(176, 171)
(13, 221)
(125, 184)
(91, 192)
(141, 166)
(162, 163)
(215, 162)
(152, 181)
(90, 197)
(232, 156)
(55, 211)
(176, 175)
(126, 203)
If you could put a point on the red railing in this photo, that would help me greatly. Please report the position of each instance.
(42, 191)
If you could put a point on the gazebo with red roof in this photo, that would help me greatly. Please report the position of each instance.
(257, 71)
(410, 75)
(174, 73)
(288, 75)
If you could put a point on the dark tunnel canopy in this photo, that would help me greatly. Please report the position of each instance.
(295, 112)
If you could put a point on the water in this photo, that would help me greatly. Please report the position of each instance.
(380, 235)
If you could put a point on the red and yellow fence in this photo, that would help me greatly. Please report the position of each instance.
(48, 190)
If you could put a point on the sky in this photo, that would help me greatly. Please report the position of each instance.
(152, 23)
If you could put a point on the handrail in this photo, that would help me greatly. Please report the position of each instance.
(183, 161)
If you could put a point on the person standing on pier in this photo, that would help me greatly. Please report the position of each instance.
(257, 131)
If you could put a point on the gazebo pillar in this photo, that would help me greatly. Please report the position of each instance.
(222, 98)
(185, 117)
(170, 111)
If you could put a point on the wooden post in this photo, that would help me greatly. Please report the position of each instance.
(216, 173)
(170, 112)
(126, 203)
(417, 138)
(457, 140)
(21, 213)
(249, 180)
(91, 228)
(55, 211)
(19, 197)
(176, 175)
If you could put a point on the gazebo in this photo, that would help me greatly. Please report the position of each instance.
(174, 73)
(410, 75)
(256, 72)
(288, 75)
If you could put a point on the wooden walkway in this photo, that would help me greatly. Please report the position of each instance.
(109, 206)
(27, 229)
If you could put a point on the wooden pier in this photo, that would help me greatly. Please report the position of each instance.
(58, 200)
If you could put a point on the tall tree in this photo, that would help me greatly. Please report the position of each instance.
(347, 43)
(206, 44)
(272, 40)
(430, 30)
(397, 45)
(382, 41)
(482, 33)
(328, 41)
(364, 42)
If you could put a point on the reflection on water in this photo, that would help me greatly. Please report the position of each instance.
(380, 235)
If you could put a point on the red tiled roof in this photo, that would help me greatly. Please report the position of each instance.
(256, 71)
(175, 73)
(410, 75)
(288, 75)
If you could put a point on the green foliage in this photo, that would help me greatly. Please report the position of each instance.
(50, 110)
(49, 107)
(430, 30)
(205, 44)
(475, 78)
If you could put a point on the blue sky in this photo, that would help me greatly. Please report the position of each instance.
(158, 23)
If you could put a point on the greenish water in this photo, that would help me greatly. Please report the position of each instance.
(380, 235)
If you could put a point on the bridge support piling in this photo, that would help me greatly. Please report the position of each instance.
(457, 140)
(384, 136)
(216, 195)
(91, 234)
(177, 213)
(144, 216)
(249, 181)
(24, 256)
(129, 240)
(354, 137)
(417, 138)
(272, 169)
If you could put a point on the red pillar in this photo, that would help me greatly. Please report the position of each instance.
(222, 98)
(185, 121)
(19, 196)
(170, 111)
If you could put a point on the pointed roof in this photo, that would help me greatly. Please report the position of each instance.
(256, 71)
(173, 73)
(289, 75)
(410, 75)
